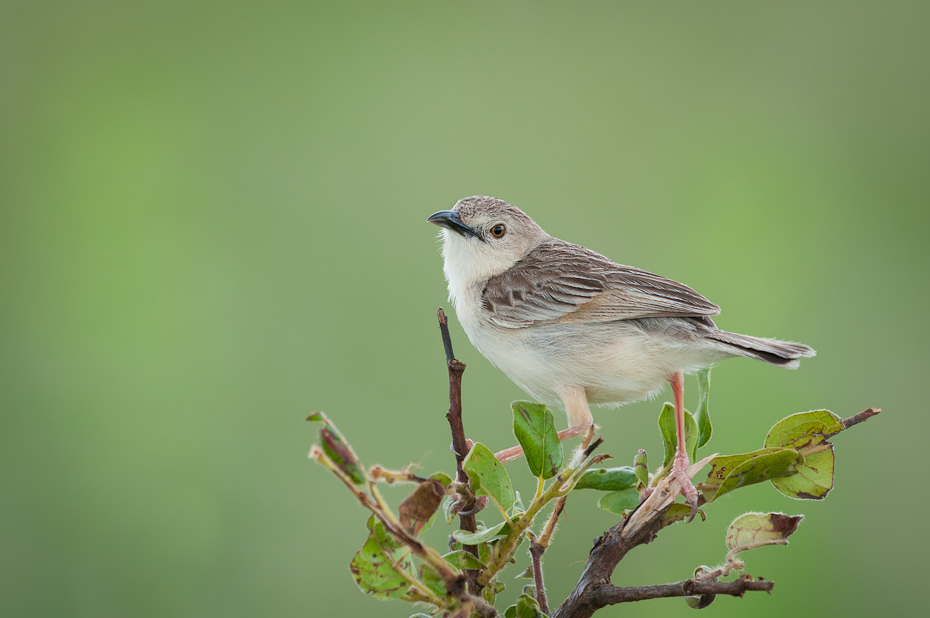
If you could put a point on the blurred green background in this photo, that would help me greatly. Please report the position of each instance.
(214, 222)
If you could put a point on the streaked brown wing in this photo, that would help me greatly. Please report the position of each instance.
(562, 282)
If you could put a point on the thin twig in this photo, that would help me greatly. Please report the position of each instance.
(549, 528)
(452, 581)
(611, 595)
(865, 415)
(459, 445)
(536, 552)
(546, 535)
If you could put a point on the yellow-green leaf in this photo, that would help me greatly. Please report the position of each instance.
(757, 529)
(814, 478)
(378, 566)
(807, 432)
(733, 471)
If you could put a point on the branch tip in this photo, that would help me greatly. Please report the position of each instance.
(446, 339)
(593, 446)
(863, 416)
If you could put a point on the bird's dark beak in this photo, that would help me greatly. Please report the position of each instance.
(450, 219)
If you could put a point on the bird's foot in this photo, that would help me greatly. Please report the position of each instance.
(679, 472)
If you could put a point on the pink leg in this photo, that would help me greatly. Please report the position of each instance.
(681, 463)
(509, 454)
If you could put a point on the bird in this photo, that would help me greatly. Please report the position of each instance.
(573, 328)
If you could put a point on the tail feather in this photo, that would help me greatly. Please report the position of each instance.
(781, 353)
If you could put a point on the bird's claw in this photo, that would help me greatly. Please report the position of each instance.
(680, 473)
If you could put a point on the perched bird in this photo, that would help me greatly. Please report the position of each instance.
(571, 327)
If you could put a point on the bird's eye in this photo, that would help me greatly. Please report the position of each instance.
(498, 230)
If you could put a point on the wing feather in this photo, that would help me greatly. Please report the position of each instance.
(563, 282)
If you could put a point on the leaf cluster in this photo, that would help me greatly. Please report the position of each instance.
(796, 457)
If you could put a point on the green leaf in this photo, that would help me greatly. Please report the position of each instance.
(619, 502)
(442, 478)
(483, 535)
(641, 467)
(447, 504)
(488, 477)
(527, 607)
(804, 430)
(813, 480)
(338, 450)
(376, 568)
(607, 479)
(667, 427)
(807, 432)
(679, 512)
(431, 579)
(484, 549)
(341, 454)
(700, 601)
(757, 529)
(489, 593)
(703, 413)
(462, 560)
(534, 427)
(526, 574)
(734, 471)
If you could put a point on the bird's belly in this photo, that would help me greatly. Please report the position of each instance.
(614, 362)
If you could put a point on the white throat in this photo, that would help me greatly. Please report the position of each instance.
(467, 263)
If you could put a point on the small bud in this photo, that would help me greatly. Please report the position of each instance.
(376, 473)
(641, 467)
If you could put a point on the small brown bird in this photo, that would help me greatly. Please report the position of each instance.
(571, 327)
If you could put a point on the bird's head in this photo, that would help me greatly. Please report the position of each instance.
(483, 237)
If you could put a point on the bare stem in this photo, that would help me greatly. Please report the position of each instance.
(536, 552)
(611, 595)
(459, 443)
(553, 520)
